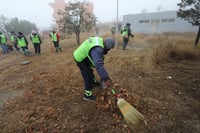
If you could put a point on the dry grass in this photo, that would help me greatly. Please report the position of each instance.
(174, 49)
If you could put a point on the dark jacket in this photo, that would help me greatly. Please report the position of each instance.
(129, 31)
(97, 55)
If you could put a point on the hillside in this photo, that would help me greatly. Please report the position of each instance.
(45, 96)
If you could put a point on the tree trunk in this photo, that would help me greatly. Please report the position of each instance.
(197, 37)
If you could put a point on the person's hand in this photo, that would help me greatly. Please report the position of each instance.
(106, 83)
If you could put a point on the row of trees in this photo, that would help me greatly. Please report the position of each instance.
(14, 24)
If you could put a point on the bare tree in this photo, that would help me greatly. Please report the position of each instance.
(76, 18)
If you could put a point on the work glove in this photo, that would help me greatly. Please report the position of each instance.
(106, 83)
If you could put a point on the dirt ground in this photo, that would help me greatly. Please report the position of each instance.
(45, 96)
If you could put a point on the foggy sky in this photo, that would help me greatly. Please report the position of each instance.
(40, 13)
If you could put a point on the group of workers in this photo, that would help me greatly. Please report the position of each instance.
(20, 43)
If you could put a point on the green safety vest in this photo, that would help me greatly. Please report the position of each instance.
(54, 37)
(125, 33)
(3, 39)
(21, 42)
(35, 39)
(12, 38)
(83, 50)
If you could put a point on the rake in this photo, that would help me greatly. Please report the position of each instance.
(131, 116)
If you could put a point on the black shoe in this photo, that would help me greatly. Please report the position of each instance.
(89, 98)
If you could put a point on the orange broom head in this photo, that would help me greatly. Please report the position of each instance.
(130, 114)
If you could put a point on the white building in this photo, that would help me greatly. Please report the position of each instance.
(158, 22)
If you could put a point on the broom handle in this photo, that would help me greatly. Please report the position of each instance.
(114, 93)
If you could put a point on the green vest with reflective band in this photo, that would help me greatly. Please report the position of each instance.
(35, 39)
(12, 38)
(54, 37)
(83, 50)
(125, 33)
(21, 42)
(3, 39)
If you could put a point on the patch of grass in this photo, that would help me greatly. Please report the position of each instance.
(175, 51)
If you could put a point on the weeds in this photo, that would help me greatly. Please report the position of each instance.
(174, 50)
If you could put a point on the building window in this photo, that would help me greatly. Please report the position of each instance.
(143, 21)
(168, 20)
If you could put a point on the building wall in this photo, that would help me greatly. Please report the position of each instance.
(158, 22)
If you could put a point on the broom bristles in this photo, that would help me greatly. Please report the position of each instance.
(130, 114)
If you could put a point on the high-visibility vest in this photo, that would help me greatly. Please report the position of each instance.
(3, 39)
(21, 42)
(12, 38)
(54, 37)
(125, 33)
(35, 39)
(83, 50)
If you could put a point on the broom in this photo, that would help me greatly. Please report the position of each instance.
(130, 114)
